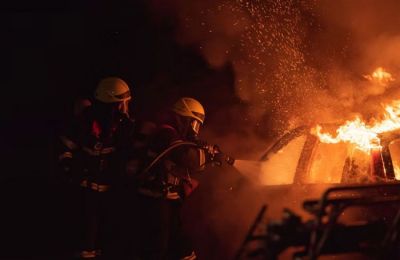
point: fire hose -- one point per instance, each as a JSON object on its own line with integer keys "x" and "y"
{"x": 212, "y": 150}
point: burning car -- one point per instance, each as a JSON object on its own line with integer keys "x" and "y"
{"x": 355, "y": 174}
{"x": 300, "y": 157}
{"x": 357, "y": 151}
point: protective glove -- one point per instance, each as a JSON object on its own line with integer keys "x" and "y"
{"x": 217, "y": 156}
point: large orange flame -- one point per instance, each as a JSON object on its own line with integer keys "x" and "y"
{"x": 364, "y": 136}
{"x": 380, "y": 76}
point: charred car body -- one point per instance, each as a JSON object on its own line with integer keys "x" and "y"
{"x": 358, "y": 214}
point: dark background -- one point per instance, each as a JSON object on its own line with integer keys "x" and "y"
{"x": 53, "y": 53}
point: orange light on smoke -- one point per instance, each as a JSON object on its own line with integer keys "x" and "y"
{"x": 364, "y": 136}
{"x": 380, "y": 76}
{"x": 397, "y": 171}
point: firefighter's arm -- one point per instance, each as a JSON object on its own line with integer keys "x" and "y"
{"x": 195, "y": 158}
{"x": 214, "y": 155}
{"x": 67, "y": 146}
{"x": 66, "y": 154}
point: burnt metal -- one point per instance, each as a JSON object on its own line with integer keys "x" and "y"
{"x": 303, "y": 164}
{"x": 378, "y": 169}
{"x": 360, "y": 195}
{"x": 391, "y": 239}
{"x": 284, "y": 140}
{"x": 250, "y": 236}
{"x": 325, "y": 235}
{"x": 386, "y": 139}
{"x": 388, "y": 163}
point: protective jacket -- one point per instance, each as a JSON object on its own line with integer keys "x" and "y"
{"x": 92, "y": 150}
{"x": 171, "y": 176}
{"x": 159, "y": 194}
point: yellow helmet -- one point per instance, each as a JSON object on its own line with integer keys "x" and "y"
{"x": 111, "y": 90}
{"x": 189, "y": 107}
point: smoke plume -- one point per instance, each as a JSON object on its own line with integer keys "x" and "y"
{"x": 297, "y": 62}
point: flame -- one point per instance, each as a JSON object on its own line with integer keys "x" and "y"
{"x": 364, "y": 136}
{"x": 396, "y": 172}
{"x": 380, "y": 76}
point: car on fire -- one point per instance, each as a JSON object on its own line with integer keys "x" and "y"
{"x": 299, "y": 157}
{"x": 338, "y": 200}
{"x": 296, "y": 170}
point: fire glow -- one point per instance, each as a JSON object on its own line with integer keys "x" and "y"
{"x": 364, "y": 136}
{"x": 380, "y": 76}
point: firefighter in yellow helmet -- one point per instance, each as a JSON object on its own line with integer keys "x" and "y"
{"x": 191, "y": 116}
{"x": 114, "y": 90}
{"x": 167, "y": 181}
{"x": 92, "y": 149}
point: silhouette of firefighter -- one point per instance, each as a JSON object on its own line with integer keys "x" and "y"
{"x": 176, "y": 154}
{"x": 91, "y": 157}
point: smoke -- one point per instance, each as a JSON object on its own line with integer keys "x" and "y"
{"x": 371, "y": 39}
{"x": 296, "y": 62}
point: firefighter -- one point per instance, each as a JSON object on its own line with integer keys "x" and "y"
{"x": 92, "y": 155}
{"x": 163, "y": 185}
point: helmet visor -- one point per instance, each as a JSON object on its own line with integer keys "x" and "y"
{"x": 195, "y": 126}
{"x": 199, "y": 115}
{"x": 124, "y": 96}
{"x": 123, "y": 107}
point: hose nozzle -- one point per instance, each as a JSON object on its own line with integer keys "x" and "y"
{"x": 229, "y": 160}
{"x": 216, "y": 155}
